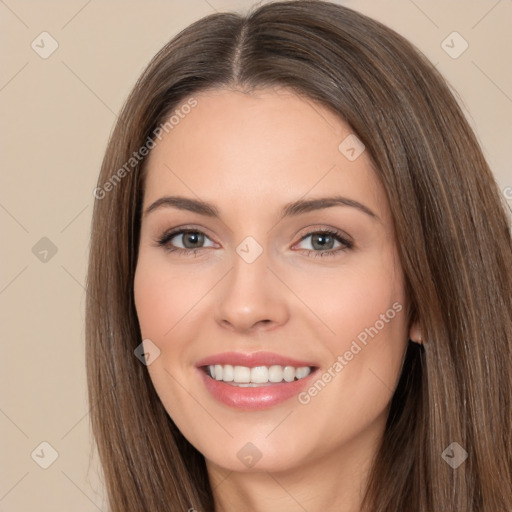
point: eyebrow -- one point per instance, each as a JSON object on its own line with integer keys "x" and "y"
{"x": 289, "y": 210}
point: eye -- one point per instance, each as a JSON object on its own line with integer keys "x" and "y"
{"x": 184, "y": 241}
{"x": 326, "y": 242}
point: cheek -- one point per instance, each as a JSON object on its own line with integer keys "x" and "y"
{"x": 163, "y": 297}
{"x": 366, "y": 306}
{"x": 164, "y": 303}
{"x": 365, "y": 310}
{"x": 355, "y": 299}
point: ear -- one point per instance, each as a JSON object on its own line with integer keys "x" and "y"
{"x": 415, "y": 333}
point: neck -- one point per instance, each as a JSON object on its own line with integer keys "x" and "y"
{"x": 333, "y": 481}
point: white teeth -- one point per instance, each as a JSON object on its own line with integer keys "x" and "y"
{"x": 246, "y": 376}
{"x": 289, "y": 373}
{"x": 275, "y": 373}
{"x": 259, "y": 374}
{"x": 241, "y": 374}
{"x": 300, "y": 373}
{"x": 228, "y": 373}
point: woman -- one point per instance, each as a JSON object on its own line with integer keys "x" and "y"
{"x": 299, "y": 287}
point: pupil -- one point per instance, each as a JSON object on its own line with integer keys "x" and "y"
{"x": 193, "y": 238}
{"x": 322, "y": 241}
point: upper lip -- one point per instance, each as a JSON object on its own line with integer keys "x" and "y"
{"x": 252, "y": 359}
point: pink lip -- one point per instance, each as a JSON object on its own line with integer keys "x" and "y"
{"x": 252, "y": 399}
{"x": 252, "y": 359}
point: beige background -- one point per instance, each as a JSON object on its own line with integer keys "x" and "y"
{"x": 56, "y": 116}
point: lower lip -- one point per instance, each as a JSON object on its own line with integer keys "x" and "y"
{"x": 253, "y": 399}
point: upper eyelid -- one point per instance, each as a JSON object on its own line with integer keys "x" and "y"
{"x": 181, "y": 231}
{"x": 309, "y": 230}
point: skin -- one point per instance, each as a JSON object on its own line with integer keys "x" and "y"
{"x": 249, "y": 154}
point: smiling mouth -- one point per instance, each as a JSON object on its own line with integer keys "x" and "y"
{"x": 256, "y": 376}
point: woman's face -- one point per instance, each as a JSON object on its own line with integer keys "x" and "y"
{"x": 256, "y": 292}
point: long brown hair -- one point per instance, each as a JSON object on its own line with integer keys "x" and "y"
{"x": 453, "y": 239}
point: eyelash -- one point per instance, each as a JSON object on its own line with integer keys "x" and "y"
{"x": 164, "y": 240}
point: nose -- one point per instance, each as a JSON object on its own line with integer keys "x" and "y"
{"x": 251, "y": 298}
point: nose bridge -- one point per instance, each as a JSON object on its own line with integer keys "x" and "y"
{"x": 250, "y": 270}
{"x": 251, "y": 294}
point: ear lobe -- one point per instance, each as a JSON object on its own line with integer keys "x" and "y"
{"x": 415, "y": 333}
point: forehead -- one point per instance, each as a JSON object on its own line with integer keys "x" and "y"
{"x": 259, "y": 148}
